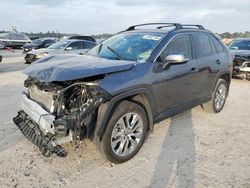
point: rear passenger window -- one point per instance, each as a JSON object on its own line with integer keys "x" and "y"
{"x": 76, "y": 45}
{"x": 203, "y": 45}
{"x": 179, "y": 45}
{"x": 217, "y": 45}
{"x": 88, "y": 45}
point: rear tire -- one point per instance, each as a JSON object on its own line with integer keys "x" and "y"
{"x": 216, "y": 104}
{"x": 125, "y": 132}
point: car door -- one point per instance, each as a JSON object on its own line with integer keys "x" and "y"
{"x": 207, "y": 60}
{"x": 175, "y": 85}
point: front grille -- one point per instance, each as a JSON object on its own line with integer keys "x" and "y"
{"x": 45, "y": 99}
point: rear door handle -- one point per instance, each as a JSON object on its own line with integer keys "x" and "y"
{"x": 218, "y": 61}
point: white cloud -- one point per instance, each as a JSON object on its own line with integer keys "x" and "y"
{"x": 110, "y": 16}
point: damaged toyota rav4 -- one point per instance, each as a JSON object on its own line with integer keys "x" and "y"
{"x": 116, "y": 92}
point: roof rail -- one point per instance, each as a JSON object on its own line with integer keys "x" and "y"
{"x": 193, "y": 25}
{"x": 163, "y": 25}
{"x": 176, "y": 25}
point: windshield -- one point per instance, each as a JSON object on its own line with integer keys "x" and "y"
{"x": 127, "y": 46}
{"x": 239, "y": 45}
{"x": 38, "y": 41}
{"x": 59, "y": 45}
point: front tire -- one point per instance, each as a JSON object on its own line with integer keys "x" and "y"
{"x": 216, "y": 104}
{"x": 125, "y": 133}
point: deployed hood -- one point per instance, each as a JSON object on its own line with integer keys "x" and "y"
{"x": 72, "y": 67}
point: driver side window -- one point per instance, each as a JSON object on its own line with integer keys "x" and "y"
{"x": 181, "y": 44}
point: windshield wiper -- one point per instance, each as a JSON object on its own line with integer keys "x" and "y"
{"x": 114, "y": 52}
{"x": 100, "y": 48}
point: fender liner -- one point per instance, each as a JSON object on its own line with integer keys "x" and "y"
{"x": 221, "y": 74}
{"x": 106, "y": 109}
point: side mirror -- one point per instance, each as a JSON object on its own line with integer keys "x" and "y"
{"x": 174, "y": 59}
{"x": 68, "y": 48}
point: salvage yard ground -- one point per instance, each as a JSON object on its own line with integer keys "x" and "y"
{"x": 193, "y": 149}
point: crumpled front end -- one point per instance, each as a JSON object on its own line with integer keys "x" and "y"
{"x": 54, "y": 113}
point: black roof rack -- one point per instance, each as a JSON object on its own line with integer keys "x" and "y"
{"x": 192, "y": 25}
{"x": 163, "y": 25}
{"x": 176, "y": 25}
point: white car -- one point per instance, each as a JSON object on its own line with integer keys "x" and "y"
{"x": 14, "y": 40}
{"x": 61, "y": 47}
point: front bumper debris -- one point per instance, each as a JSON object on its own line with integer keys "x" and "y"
{"x": 37, "y": 125}
{"x": 43, "y": 118}
{"x": 32, "y": 132}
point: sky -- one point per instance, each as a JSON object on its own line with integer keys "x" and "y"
{"x": 111, "y": 16}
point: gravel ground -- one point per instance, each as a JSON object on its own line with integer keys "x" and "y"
{"x": 193, "y": 149}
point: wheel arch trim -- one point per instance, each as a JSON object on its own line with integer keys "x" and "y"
{"x": 106, "y": 109}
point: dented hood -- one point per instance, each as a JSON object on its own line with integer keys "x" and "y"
{"x": 72, "y": 67}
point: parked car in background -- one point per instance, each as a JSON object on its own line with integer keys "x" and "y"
{"x": 118, "y": 90}
{"x": 2, "y": 45}
{"x": 62, "y": 47}
{"x": 13, "y": 40}
{"x": 81, "y": 37}
{"x": 38, "y": 43}
{"x": 240, "y": 48}
{"x": 33, "y": 37}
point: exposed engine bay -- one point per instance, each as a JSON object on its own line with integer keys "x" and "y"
{"x": 245, "y": 69}
{"x": 57, "y": 112}
{"x": 241, "y": 66}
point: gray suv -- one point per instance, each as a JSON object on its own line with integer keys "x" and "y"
{"x": 116, "y": 92}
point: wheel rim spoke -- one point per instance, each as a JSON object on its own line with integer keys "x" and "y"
{"x": 120, "y": 149}
{"x": 127, "y": 134}
{"x": 117, "y": 133}
{"x": 137, "y": 135}
{"x": 133, "y": 143}
{"x": 220, "y": 96}
{"x": 115, "y": 142}
{"x": 134, "y": 121}
{"x": 126, "y": 150}
{"x": 121, "y": 123}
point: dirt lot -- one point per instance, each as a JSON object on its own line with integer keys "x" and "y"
{"x": 193, "y": 149}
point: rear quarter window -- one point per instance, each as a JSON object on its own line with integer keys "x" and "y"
{"x": 202, "y": 45}
{"x": 218, "y": 46}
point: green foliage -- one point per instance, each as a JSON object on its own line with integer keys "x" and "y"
{"x": 224, "y": 35}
